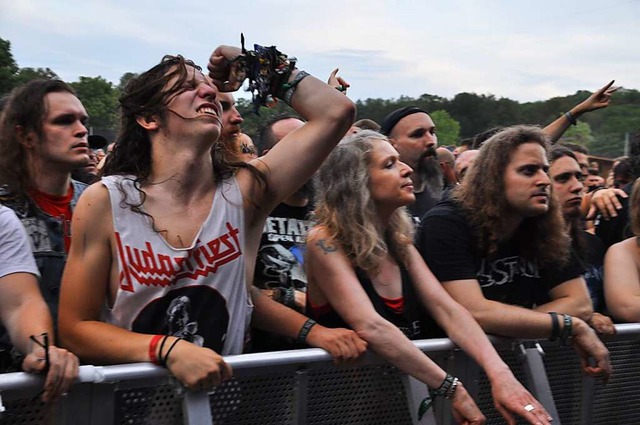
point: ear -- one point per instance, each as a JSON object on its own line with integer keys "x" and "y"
{"x": 148, "y": 123}
{"x": 26, "y": 138}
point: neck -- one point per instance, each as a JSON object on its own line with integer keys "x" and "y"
{"x": 511, "y": 222}
{"x": 48, "y": 178}
{"x": 297, "y": 200}
{"x": 186, "y": 171}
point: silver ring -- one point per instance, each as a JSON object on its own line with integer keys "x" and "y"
{"x": 529, "y": 407}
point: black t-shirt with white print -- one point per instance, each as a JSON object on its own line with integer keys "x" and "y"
{"x": 447, "y": 243}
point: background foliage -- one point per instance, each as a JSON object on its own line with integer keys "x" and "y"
{"x": 463, "y": 116}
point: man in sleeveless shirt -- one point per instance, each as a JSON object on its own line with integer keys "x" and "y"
{"x": 166, "y": 244}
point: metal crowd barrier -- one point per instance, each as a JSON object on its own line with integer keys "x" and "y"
{"x": 304, "y": 387}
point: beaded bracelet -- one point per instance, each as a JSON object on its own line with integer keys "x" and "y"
{"x": 566, "y": 332}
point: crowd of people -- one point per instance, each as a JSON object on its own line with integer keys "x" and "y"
{"x": 184, "y": 241}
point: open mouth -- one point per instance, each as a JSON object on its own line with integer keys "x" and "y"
{"x": 207, "y": 110}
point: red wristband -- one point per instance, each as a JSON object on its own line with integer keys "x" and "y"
{"x": 152, "y": 349}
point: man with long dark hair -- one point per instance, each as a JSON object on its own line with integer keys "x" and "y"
{"x": 170, "y": 221}
{"x": 500, "y": 245}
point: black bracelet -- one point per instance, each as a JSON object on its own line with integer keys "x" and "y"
{"x": 306, "y": 328}
{"x": 289, "y": 297}
{"x": 569, "y": 116}
{"x": 555, "y": 326}
{"x": 160, "y": 359}
{"x": 166, "y": 358}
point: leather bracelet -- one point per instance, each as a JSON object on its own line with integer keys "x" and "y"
{"x": 288, "y": 89}
{"x": 555, "y": 326}
{"x": 304, "y": 331}
{"x": 166, "y": 357}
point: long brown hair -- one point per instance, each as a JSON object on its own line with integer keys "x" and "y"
{"x": 482, "y": 195}
{"x": 346, "y": 210}
{"x": 25, "y": 107}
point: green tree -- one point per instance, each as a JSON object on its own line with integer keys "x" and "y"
{"x": 448, "y": 129}
{"x": 126, "y": 77}
{"x": 8, "y": 67}
{"x": 25, "y": 75}
{"x": 99, "y": 98}
{"x": 579, "y": 134}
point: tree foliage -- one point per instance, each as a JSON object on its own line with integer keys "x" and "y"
{"x": 463, "y": 116}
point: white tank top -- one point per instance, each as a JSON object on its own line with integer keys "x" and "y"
{"x": 198, "y": 293}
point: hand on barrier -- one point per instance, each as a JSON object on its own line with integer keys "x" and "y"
{"x": 464, "y": 409}
{"x": 343, "y": 344}
{"x": 510, "y": 397}
{"x": 603, "y": 325}
{"x": 60, "y": 366}
{"x": 587, "y": 345}
{"x": 198, "y": 368}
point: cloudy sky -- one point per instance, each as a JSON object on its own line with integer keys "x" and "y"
{"x": 523, "y": 50}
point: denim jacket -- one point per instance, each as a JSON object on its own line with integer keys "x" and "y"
{"x": 46, "y": 234}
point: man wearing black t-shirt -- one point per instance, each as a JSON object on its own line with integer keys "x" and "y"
{"x": 567, "y": 183}
{"x": 499, "y": 244}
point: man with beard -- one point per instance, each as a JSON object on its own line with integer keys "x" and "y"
{"x": 499, "y": 244}
{"x": 567, "y": 184}
{"x": 413, "y": 133}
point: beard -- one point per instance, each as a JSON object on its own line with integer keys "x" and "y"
{"x": 430, "y": 173}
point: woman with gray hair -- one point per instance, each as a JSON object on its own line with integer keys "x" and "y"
{"x": 364, "y": 272}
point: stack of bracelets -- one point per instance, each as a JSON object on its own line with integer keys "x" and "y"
{"x": 268, "y": 71}
{"x": 447, "y": 389}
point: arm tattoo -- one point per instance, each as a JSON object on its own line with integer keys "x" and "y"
{"x": 325, "y": 247}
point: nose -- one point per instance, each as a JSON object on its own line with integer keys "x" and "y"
{"x": 577, "y": 185}
{"x": 543, "y": 179}
{"x": 406, "y": 170}
{"x": 81, "y": 130}
{"x": 236, "y": 118}
{"x": 207, "y": 92}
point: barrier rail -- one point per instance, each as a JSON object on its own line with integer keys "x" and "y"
{"x": 304, "y": 387}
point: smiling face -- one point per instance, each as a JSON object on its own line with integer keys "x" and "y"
{"x": 566, "y": 178}
{"x": 526, "y": 182}
{"x": 62, "y": 143}
{"x": 389, "y": 181}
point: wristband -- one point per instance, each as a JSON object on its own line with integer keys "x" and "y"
{"x": 306, "y": 328}
{"x": 288, "y": 89}
{"x": 447, "y": 389}
{"x": 166, "y": 357}
{"x": 569, "y": 116}
{"x": 565, "y": 334}
{"x": 153, "y": 344}
{"x": 555, "y": 326}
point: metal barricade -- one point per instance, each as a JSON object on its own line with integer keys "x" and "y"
{"x": 304, "y": 387}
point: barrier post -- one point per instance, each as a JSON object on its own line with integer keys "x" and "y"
{"x": 416, "y": 391}
{"x": 196, "y": 409}
{"x": 531, "y": 354}
{"x": 301, "y": 391}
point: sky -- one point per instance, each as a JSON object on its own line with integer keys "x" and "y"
{"x": 522, "y": 50}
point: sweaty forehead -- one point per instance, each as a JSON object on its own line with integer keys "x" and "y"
{"x": 226, "y": 99}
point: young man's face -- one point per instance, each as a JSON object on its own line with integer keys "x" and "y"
{"x": 566, "y": 178}
{"x": 63, "y": 143}
{"x": 526, "y": 182}
{"x": 196, "y": 109}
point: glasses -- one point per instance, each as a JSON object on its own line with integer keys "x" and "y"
{"x": 42, "y": 341}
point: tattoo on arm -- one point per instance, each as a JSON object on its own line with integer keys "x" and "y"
{"x": 326, "y": 247}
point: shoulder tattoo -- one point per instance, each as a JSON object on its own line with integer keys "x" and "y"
{"x": 327, "y": 248}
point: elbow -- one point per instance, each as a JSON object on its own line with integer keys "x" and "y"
{"x": 371, "y": 330}
{"x": 584, "y": 311}
{"x": 342, "y": 114}
{"x": 625, "y": 312}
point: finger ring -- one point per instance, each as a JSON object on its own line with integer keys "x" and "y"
{"x": 529, "y": 407}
